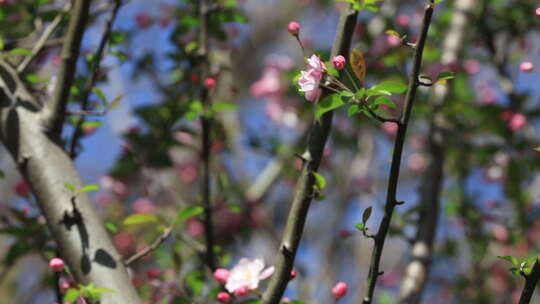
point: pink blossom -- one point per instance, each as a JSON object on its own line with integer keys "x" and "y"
{"x": 517, "y": 122}
{"x": 223, "y": 297}
{"x": 294, "y": 28}
{"x": 526, "y": 66}
{"x": 210, "y": 83}
{"x": 339, "y": 62}
{"x": 143, "y": 205}
{"x": 195, "y": 228}
{"x": 537, "y": 12}
{"x": 416, "y": 162}
{"x": 246, "y": 275}
{"x": 310, "y": 80}
{"x": 143, "y": 20}
{"x": 393, "y": 41}
{"x": 402, "y": 20}
{"x": 390, "y": 128}
{"x": 339, "y": 290}
{"x": 472, "y": 66}
{"x": 268, "y": 85}
{"x": 500, "y": 233}
{"x": 56, "y": 264}
{"x": 221, "y": 275}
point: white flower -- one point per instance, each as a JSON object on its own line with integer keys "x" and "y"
{"x": 247, "y": 274}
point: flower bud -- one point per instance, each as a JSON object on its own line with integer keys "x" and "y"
{"x": 526, "y": 66}
{"x": 339, "y": 62}
{"x": 56, "y": 264}
{"x": 294, "y": 28}
{"x": 210, "y": 83}
{"x": 221, "y": 275}
{"x": 223, "y": 297}
{"x": 339, "y": 290}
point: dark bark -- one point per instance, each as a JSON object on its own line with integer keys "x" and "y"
{"x": 305, "y": 186}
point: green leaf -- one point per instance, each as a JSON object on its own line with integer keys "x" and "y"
{"x": 537, "y": 149}
{"x": 384, "y": 100}
{"x": 510, "y": 259}
{"x": 138, "y": 219}
{"x": 354, "y": 109}
{"x": 90, "y": 188}
{"x": 390, "y": 86}
{"x": 329, "y": 103}
{"x": 116, "y": 101}
{"x": 99, "y": 94}
{"x": 393, "y": 33}
{"x": 366, "y": 215}
{"x": 71, "y": 295}
{"x": 117, "y": 37}
{"x": 2, "y": 43}
{"x": 224, "y": 106}
{"x": 332, "y": 71}
{"x": 360, "y": 226}
{"x": 188, "y": 212}
{"x": 320, "y": 180}
{"x": 71, "y": 187}
{"x": 21, "y": 51}
{"x": 347, "y": 94}
{"x": 111, "y": 227}
{"x": 444, "y": 77}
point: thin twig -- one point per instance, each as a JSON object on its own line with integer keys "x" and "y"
{"x": 54, "y": 113}
{"x": 139, "y": 255}
{"x": 531, "y": 280}
{"x": 42, "y": 41}
{"x": 391, "y": 200}
{"x": 91, "y": 81}
{"x": 320, "y": 130}
{"x": 206, "y": 130}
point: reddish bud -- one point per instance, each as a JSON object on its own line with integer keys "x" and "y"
{"x": 56, "y": 264}
{"x": 242, "y": 291}
{"x": 22, "y": 189}
{"x": 221, "y": 275}
{"x": 153, "y": 273}
{"x": 223, "y": 297}
{"x": 340, "y": 290}
{"x": 294, "y": 273}
{"x": 339, "y": 62}
{"x": 294, "y": 28}
{"x": 210, "y": 83}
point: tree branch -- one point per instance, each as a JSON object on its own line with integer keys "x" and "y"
{"x": 206, "y": 127}
{"x": 54, "y": 113}
{"x": 531, "y": 280}
{"x": 94, "y": 73}
{"x": 305, "y": 186}
{"x": 391, "y": 200}
{"x": 42, "y": 41}
{"x": 139, "y": 255}
{"x": 417, "y": 271}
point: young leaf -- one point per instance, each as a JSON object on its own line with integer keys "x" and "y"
{"x": 354, "y": 109}
{"x": 71, "y": 295}
{"x": 71, "y": 187}
{"x": 390, "y": 86}
{"x": 366, "y": 215}
{"x": 138, "y": 219}
{"x": 444, "y": 77}
{"x": 358, "y": 64}
{"x": 329, "y": 103}
{"x": 320, "y": 180}
{"x": 188, "y": 212}
{"x": 89, "y": 188}
{"x": 510, "y": 259}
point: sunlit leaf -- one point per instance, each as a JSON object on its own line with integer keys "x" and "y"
{"x": 138, "y": 219}
{"x": 358, "y": 65}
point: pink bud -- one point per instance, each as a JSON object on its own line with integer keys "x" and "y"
{"x": 526, "y": 66}
{"x": 339, "y": 62}
{"x": 537, "y": 12}
{"x": 402, "y": 20}
{"x": 285, "y": 300}
{"x": 223, "y": 297}
{"x": 294, "y": 28}
{"x": 210, "y": 83}
{"x": 294, "y": 273}
{"x": 339, "y": 290}
{"x": 221, "y": 275}
{"x": 517, "y": 122}
{"x": 56, "y": 264}
{"x": 242, "y": 291}
{"x": 65, "y": 283}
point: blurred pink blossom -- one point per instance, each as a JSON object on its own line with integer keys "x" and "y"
{"x": 143, "y": 205}
{"x": 247, "y": 274}
{"x": 143, "y": 21}
{"x": 269, "y": 84}
{"x": 402, "y": 20}
{"x": 517, "y": 122}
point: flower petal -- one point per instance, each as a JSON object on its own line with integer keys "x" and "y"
{"x": 266, "y": 273}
